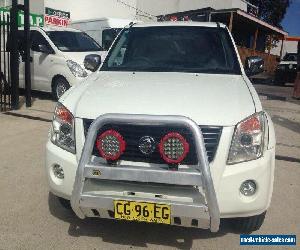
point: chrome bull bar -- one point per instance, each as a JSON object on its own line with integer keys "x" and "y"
{"x": 200, "y": 176}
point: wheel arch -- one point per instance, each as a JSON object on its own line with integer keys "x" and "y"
{"x": 54, "y": 78}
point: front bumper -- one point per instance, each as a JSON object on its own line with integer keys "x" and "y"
{"x": 99, "y": 194}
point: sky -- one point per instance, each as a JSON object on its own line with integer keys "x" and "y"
{"x": 291, "y": 21}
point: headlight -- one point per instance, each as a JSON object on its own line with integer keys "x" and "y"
{"x": 248, "y": 139}
{"x": 280, "y": 66}
{"x": 76, "y": 69}
{"x": 62, "y": 131}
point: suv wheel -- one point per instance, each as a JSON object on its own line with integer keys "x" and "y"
{"x": 60, "y": 86}
{"x": 248, "y": 224}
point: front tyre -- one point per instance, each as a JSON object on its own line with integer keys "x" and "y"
{"x": 60, "y": 86}
{"x": 248, "y": 224}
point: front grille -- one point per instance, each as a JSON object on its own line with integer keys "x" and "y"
{"x": 133, "y": 133}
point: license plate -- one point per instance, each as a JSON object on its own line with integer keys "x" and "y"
{"x": 142, "y": 211}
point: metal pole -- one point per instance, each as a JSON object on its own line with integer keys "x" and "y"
{"x": 255, "y": 40}
{"x": 27, "y": 53}
{"x": 281, "y": 48}
{"x": 231, "y": 22}
{"x": 296, "y": 93}
{"x": 14, "y": 54}
{"x": 298, "y": 58}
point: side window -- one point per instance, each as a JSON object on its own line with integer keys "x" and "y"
{"x": 38, "y": 39}
{"x": 118, "y": 55}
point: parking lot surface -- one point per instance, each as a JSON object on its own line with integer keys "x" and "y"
{"x": 31, "y": 218}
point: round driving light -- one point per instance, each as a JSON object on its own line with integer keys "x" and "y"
{"x": 58, "y": 171}
{"x": 110, "y": 145}
{"x": 248, "y": 188}
{"x": 173, "y": 148}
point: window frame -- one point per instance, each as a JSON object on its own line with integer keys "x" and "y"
{"x": 237, "y": 71}
{"x": 32, "y": 40}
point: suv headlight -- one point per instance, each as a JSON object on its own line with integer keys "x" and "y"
{"x": 248, "y": 139}
{"x": 63, "y": 130}
{"x": 76, "y": 69}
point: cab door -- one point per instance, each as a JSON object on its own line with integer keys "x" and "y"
{"x": 41, "y": 61}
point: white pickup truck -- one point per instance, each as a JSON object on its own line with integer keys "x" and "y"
{"x": 170, "y": 130}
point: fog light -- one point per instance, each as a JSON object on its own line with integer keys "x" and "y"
{"x": 248, "y": 188}
{"x": 173, "y": 148}
{"x": 111, "y": 145}
{"x": 58, "y": 171}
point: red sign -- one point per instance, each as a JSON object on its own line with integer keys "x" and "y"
{"x": 56, "y": 21}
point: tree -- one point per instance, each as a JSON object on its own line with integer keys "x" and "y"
{"x": 271, "y": 11}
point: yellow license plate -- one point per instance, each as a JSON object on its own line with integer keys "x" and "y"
{"x": 142, "y": 211}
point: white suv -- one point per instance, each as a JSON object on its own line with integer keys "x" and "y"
{"x": 170, "y": 130}
{"x": 57, "y": 58}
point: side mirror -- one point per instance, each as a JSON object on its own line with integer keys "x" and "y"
{"x": 44, "y": 49}
{"x": 254, "y": 65}
{"x": 92, "y": 62}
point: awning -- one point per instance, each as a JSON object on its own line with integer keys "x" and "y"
{"x": 262, "y": 23}
{"x": 247, "y": 18}
{"x": 293, "y": 38}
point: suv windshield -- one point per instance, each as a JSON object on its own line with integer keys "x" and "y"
{"x": 108, "y": 36}
{"x": 173, "y": 49}
{"x": 73, "y": 41}
{"x": 290, "y": 57}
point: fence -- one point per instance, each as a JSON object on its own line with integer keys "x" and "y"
{"x": 10, "y": 55}
{"x": 5, "y": 76}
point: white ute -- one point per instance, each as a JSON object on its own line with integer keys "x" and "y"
{"x": 170, "y": 130}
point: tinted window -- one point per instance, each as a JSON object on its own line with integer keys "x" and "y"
{"x": 38, "y": 39}
{"x": 73, "y": 41}
{"x": 20, "y": 36}
{"x": 290, "y": 57}
{"x": 174, "y": 49}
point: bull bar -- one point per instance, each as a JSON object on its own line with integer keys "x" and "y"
{"x": 199, "y": 175}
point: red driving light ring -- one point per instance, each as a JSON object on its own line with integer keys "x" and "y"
{"x": 111, "y": 135}
{"x": 185, "y": 145}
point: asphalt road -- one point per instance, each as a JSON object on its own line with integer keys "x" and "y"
{"x": 31, "y": 218}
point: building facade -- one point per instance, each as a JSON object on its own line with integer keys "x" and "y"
{"x": 158, "y": 7}
{"x": 127, "y": 9}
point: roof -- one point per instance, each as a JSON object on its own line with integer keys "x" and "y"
{"x": 101, "y": 19}
{"x": 293, "y": 38}
{"x": 263, "y": 23}
{"x": 179, "y": 23}
{"x": 242, "y": 13}
{"x": 237, "y": 11}
{"x": 54, "y": 28}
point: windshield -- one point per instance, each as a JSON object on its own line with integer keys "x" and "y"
{"x": 290, "y": 57}
{"x": 73, "y": 41}
{"x": 173, "y": 49}
{"x": 108, "y": 36}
